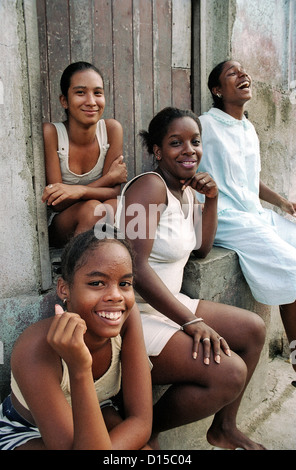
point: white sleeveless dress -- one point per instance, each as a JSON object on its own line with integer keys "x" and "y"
{"x": 175, "y": 239}
{"x": 264, "y": 241}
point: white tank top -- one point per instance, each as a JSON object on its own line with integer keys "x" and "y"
{"x": 174, "y": 240}
{"x": 106, "y": 386}
{"x": 68, "y": 176}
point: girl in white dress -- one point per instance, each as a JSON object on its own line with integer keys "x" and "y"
{"x": 264, "y": 240}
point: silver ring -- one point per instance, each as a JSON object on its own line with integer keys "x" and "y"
{"x": 206, "y": 339}
{"x": 204, "y": 181}
{"x": 50, "y": 186}
{"x": 220, "y": 337}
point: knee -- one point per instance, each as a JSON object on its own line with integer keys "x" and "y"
{"x": 88, "y": 208}
{"x": 88, "y": 213}
{"x": 104, "y": 211}
{"x": 231, "y": 379}
{"x": 94, "y": 211}
{"x": 93, "y": 207}
{"x": 237, "y": 375}
{"x": 256, "y": 331}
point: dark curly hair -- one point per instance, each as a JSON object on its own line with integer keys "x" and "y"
{"x": 159, "y": 125}
{"x": 76, "y": 252}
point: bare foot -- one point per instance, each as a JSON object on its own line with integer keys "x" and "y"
{"x": 231, "y": 439}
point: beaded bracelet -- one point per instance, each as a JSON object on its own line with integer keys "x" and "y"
{"x": 190, "y": 322}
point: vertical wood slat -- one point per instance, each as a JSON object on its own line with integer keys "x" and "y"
{"x": 59, "y": 56}
{"x": 81, "y": 30}
{"x": 42, "y": 35}
{"x": 181, "y": 33}
{"x": 124, "y": 76}
{"x": 162, "y": 50}
{"x": 181, "y": 53}
{"x": 195, "y": 58}
{"x": 103, "y": 50}
{"x": 181, "y": 88}
{"x": 33, "y": 54}
{"x": 143, "y": 83}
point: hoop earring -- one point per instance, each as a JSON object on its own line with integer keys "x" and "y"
{"x": 65, "y": 303}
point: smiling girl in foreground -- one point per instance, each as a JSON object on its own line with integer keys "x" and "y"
{"x": 195, "y": 358}
{"x": 66, "y": 370}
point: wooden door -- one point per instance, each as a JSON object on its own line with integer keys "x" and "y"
{"x": 142, "y": 47}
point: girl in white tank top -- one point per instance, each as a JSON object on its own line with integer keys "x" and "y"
{"x": 68, "y": 368}
{"x": 188, "y": 340}
{"x": 83, "y": 157}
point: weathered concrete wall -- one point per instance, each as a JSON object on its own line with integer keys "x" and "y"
{"x": 20, "y": 275}
{"x": 262, "y": 36}
{"x": 264, "y": 40}
{"x": 19, "y": 263}
{"x": 216, "y": 23}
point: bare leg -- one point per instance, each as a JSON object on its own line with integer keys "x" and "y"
{"x": 33, "y": 444}
{"x": 245, "y": 333}
{"x": 288, "y": 314}
{"x": 198, "y": 390}
{"x": 79, "y": 218}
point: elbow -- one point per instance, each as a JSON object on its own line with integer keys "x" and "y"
{"x": 202, "y": 252}
{"x": 117, "y": 189}
{"x": 145, "y": 431}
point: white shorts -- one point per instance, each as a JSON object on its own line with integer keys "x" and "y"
{"x": 159, "y": 329}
